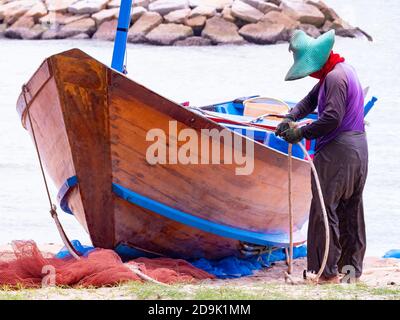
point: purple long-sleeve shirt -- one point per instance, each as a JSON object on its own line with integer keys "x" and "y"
{"x": 340, "y": 104}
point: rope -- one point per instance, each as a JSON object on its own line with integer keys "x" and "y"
{"x": 290, "y": 265}
{"x": 320, "y": 195}
{"x": 53, "y": 208}
{"x": 140, "y": 274}
{"x": 324, "y": 213}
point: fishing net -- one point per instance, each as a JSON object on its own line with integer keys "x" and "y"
{"x": 26, "y": 266}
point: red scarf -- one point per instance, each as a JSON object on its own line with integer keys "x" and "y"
{"x": 333, "y": 60}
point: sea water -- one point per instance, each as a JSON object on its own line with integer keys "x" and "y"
{"x": 204, "y": 75}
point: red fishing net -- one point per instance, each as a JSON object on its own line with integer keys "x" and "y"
{"x": 27, "y": 266}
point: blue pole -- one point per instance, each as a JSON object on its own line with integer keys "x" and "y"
{"x": 124, "y": 21}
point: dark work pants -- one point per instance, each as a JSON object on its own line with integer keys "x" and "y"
{"x": 342, "y": 167}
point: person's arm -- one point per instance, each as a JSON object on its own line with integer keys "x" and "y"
{"x": 305, "y": 106}
{"x": 335, "y": 108}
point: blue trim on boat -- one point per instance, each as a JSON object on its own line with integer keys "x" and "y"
{"x": 200, "y": 223}
{"x": 124, "y": 21}
{"x": 64, "y": 191}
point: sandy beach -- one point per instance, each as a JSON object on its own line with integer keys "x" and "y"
{"x": 381, "y": 280}
{"x": 203, "y": 76}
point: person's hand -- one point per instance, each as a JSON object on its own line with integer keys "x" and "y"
{"x": 293, "y": 135}
{"x": 283, "y": 126}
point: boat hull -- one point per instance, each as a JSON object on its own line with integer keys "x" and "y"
{"x": 93, "y": 123}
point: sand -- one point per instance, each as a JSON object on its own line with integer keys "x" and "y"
{"x": 381, "y": 279}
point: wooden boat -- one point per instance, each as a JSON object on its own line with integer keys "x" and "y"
{"x": 91, "y": 122}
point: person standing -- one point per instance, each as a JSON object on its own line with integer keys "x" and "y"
{"x": 341, "y": 155}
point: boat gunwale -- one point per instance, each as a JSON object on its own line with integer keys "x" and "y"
{"x": 213, "y": 124}
{"x": 22, "y": 106}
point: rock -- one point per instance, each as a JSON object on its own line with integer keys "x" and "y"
{"x": 227, "y": 14}
{"x": 35, "y": 32}
{"x": 303, "y": 12}
{"x": 12, "y": 11}
{"x": 61, "y": 18}
{"x": 281, "y": 18}
{"x": 167, "y": 34}
{"x": 275, "y": 2}
{"x": 135, "y": 3}
{"x": 59, "y": 5}
{"x": 164, "y": 7}
{"x": 137, "y": 12}
{"x": 193, "y": 41}
{"x": 87, "y": 25}
{"x": 263, "y": 32}
{"x": 336, "y": 25}
{"x": 147, "y": 22}
{"x": 3, "y": 28}
{"x": 19, "y": 28}
{"x": 196, "y": 23}
{"x": 206, "y": 11}
{"x": 217, "y": 4}
{"x": 87, "y": 6}
{"x": 218, "y": 30}
{"x": 246, "y": 12}
{"x": 104, "y": 15}
{"x": 340, "y": 24}
{"x": 37, "y": 11}
{"x": 50, "y": 34}
{"x": 115, "y": 4}
{"x": 327, "y": 26}
{"x": 177, "y": 16}
{"x": 350, "y": 33}
{"x": 141, "y": 3}
{"x": 80, "y": 36}
{"x": 25, "y": 28}
{"x": 328, "y": 12}
{"x": 262, "y": 6}
{"x": 106, "y": 30}
{"x": 310, "y": 29}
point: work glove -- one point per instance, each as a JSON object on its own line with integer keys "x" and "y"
{"x": 293, "y": 135}
{"x": 283, "y": 126}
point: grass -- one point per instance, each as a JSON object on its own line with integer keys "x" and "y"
{"x": 151, "y": 291}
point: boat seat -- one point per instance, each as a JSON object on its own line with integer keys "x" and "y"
{"x": 260, "y": 106}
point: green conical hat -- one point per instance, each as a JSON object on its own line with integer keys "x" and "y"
{"x": 309, "y": 54}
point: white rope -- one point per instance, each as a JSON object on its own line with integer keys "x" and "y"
{"x": 53, "y": 210}
{"x": 324, "y": 213}
{"x": 290, "y": 264}
{"x": 135, "y": 269}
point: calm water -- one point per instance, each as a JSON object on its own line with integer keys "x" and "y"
{"x": 206, "y": 75}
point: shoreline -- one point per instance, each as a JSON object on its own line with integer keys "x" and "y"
{"x": 173, "y": 22}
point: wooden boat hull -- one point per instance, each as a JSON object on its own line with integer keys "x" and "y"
{"x": 91, "y": 124}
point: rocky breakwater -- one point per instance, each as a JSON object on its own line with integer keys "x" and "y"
{"x": 172, "y": 22}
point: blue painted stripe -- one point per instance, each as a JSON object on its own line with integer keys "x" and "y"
{"x": 203, "y": 224}
{"x": 64, "y": 192}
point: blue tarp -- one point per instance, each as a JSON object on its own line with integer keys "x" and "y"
{"x": 230, "y": 267}
{"x": 81, "y": 249}
{"x": 233, "y": 267}
{"x": 395, "y": 253}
